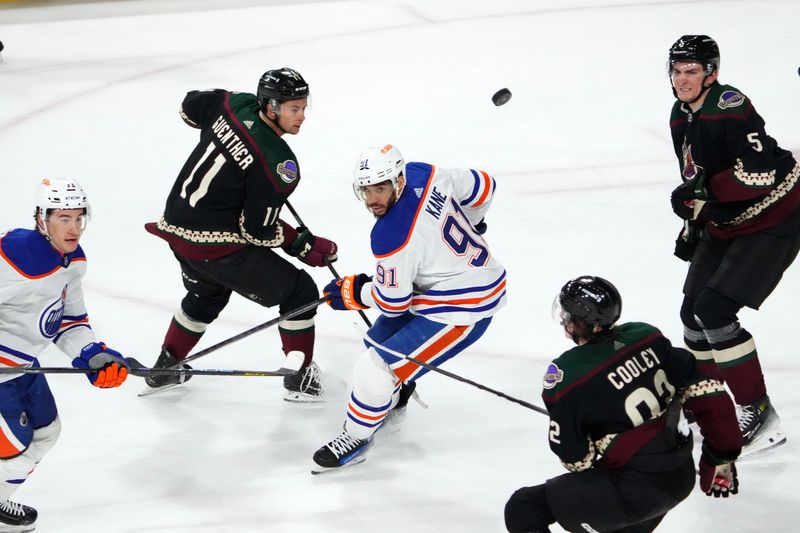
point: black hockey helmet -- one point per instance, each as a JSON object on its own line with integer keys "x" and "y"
{"x": 700, "y": 48}
{"x": 591, "y": 300}
{"x": 280, "y": 85}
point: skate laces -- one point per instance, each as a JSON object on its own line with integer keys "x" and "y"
{"x": 311, "y": 378}
{"x": 13, "y": 508}
{"x": 343, "y": 444}
{"x": 747, "y": 416}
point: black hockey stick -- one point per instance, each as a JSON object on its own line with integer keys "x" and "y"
{"x": 138, "y": 369}
{"x": 277, "y": 320}
{"x": 330, "y": 266}
{"x": 458, "y": 378}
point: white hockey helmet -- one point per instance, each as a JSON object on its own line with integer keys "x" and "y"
{"x": 376, "y": 165}
{"x": 59, "y": 193}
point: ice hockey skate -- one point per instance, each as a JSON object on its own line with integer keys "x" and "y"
{"x": 310, "y": 385}
{"x": 17, "y": 517}
{"x": 760, "y": 427}
{"x": 344, "y": 450}
{"x": 164, "y": 382}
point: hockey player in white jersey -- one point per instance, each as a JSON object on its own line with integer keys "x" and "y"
{"x": 435, "y": 283}
{"x": 41, "y": 302}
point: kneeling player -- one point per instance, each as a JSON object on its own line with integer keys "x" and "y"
{"x": 614, "y": 404}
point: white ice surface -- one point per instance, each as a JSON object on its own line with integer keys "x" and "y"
{"x": 584, "y": 166}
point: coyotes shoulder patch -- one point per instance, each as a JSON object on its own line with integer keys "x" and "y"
{"x": 730, "y": 99}
{"x": 288, "y": 171}
{"x": 552, "y": 376}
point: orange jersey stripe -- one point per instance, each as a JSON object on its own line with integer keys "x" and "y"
{"x": 68, "y": 324}
{"x": 487, "y": 184}
{"x": 9, "y": 362}
{"x": 423, "y": 301}
{"x": 358, "y": 413}
{"x": 435, "y": 349}
{"x": 416, "y": 216}
{"x": 7, "y": 449}
{"x": 384, "y": 305}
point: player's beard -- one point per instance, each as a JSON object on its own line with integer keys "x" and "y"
{"x": 389, "y": 204}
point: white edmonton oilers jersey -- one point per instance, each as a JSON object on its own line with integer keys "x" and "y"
{"x": 40, "y": 299}
{"x": 430, "y": 259}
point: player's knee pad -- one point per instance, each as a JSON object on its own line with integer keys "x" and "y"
{"x": 44, "y": 439}
{"x": 373, "y": 380}
{"x": 528, "y": 510}
{"x": 713, "y": 310}
{"x": 687, "y": 315}
{"x": 305, "y": 291}
{"x": 204, "y": 308}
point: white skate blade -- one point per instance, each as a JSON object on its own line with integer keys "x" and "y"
{"x": 765, "y": 442}
{"x": 317, "y": 469}
{"x": 149, "y": 391}
{"x": 301, "y": 397}
{"x": 6, "y": 528}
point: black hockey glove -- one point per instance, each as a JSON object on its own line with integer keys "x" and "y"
{"x": 687, "y": 241}
{"x": 684, "y": 196}
{"x": 480, "y": 227}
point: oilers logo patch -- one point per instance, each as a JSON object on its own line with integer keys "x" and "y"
{"x": 552, "y": 376}
{"x": 288, "y": 171}
{"x": 730, "y": 99}
{"x": 50, "y": 318}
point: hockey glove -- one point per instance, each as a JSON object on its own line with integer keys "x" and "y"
{"x": 720, "y": 480}
{"x": 683, "y": 199}
{"x": 111, "y": 368}
{"x": 311, "y": 250}
{"x": 345, "y": 293}
{"x": 687, "y": 241}
{"x": 481, "y": 227}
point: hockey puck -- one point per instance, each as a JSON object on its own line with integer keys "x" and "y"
{"x": 501, "y": 97}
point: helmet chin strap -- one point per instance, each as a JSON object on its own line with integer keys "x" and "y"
{"x": 702, "y": 92}
{"x": 275, "y": 122}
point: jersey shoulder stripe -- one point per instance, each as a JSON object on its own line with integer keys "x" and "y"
{"x": 483, "y": 189}
{"x": 31, "y": 255}
{"x": 582, "y": 363}
{"x": 392, "y": 231}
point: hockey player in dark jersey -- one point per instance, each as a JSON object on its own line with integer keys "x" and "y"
{"x": 614, "y": 402}
{"x": 740, "y": 203}
{"x": 222, "y": 221}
